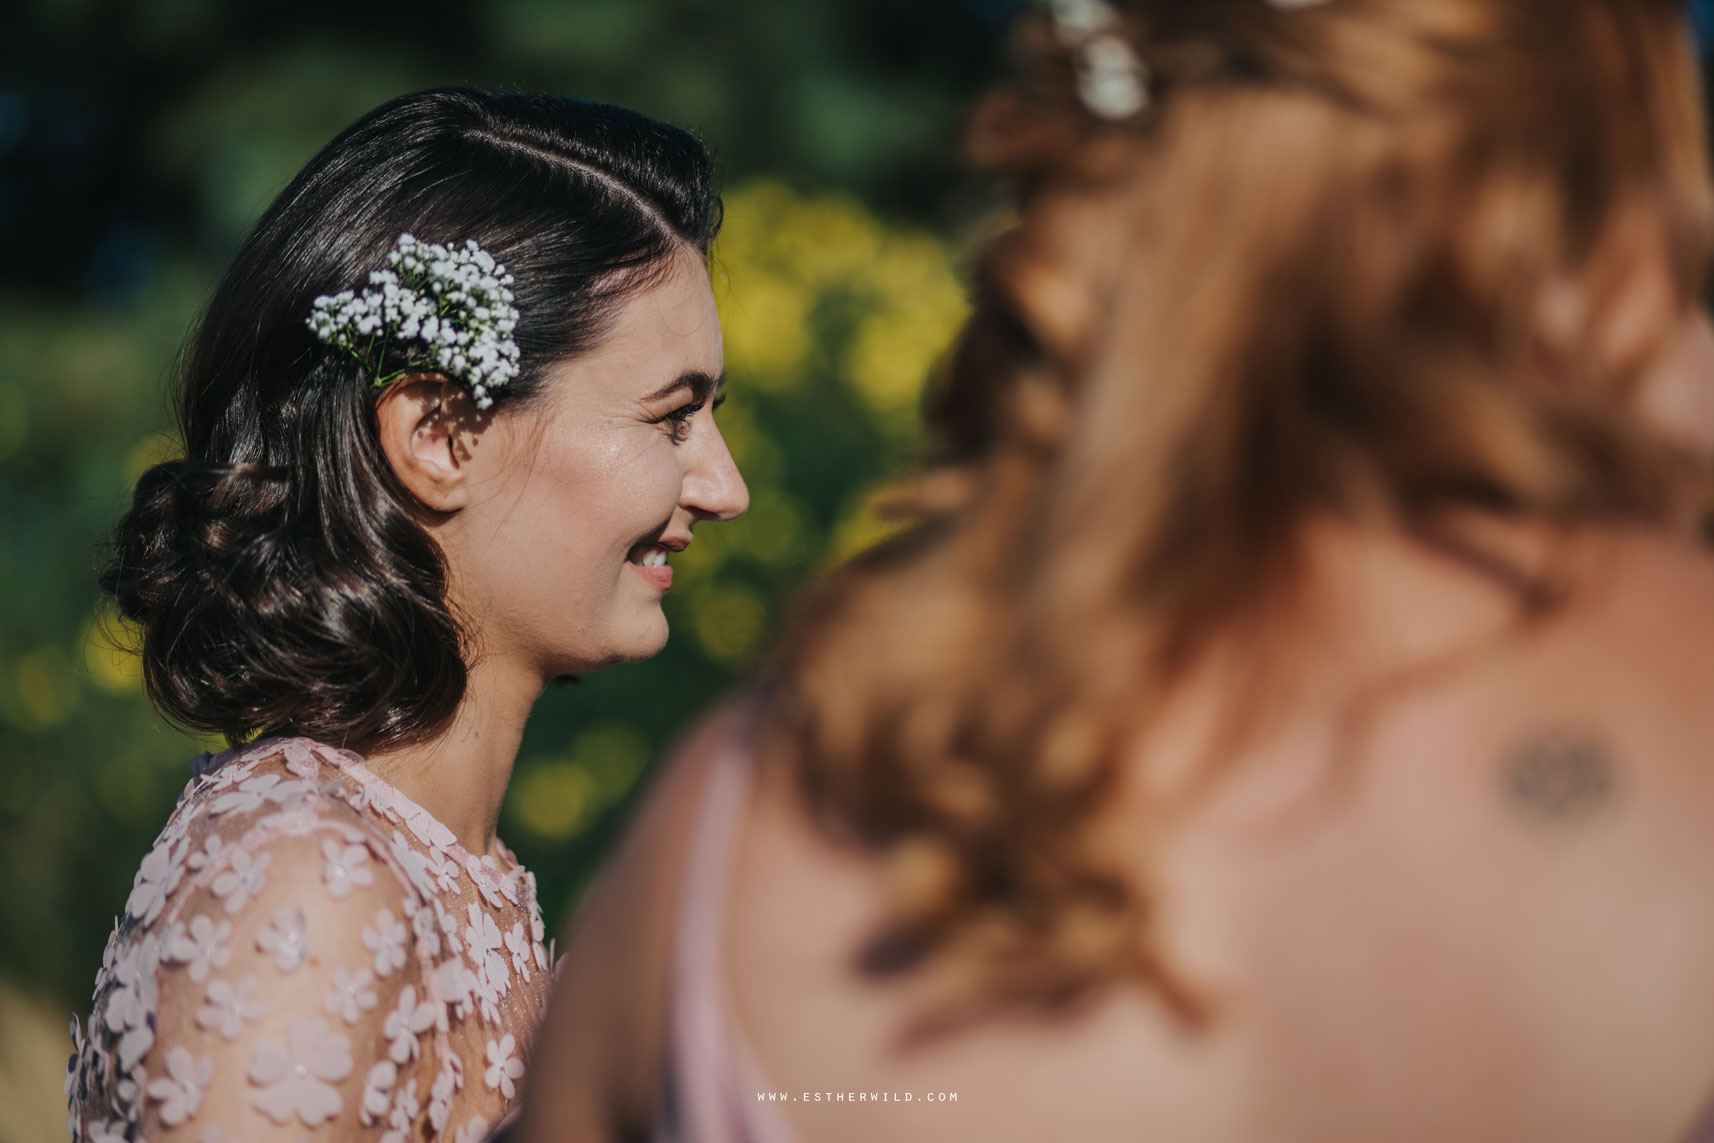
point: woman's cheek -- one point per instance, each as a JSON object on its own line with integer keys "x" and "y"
{"x": 663, "y": 483}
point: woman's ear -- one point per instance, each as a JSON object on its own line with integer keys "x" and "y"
{"x": 424, "y": 422}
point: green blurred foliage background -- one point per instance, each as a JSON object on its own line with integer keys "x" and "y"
{"x": 137, "y": 142}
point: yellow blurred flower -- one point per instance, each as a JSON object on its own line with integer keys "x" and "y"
{"x": 557, "y": 798}
{"x": 729, "y": 621}
{"x": 110, "y": 646}
{"x": 41, "y": 690}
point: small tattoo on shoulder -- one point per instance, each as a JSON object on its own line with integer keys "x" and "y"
{"x": 1560, "y": 777}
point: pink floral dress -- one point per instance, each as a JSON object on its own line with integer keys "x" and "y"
{"x": 306, "y": 953}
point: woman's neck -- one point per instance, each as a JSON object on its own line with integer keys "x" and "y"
{"x": 460, "y": 775}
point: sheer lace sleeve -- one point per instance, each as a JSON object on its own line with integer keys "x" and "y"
{"x": 307, "y": 954}
{"x": 292, "y": 999}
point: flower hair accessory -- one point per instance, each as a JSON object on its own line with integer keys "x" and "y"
{"x": 1112, "y": 80}
{"x": 433, "y": 309}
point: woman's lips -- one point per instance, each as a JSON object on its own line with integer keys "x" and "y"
{"x": 650, "y": 562}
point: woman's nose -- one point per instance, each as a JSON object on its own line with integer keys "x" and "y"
{"x": 713, "y": 487}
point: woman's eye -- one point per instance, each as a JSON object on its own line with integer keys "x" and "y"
{"x": 678, "y": 421}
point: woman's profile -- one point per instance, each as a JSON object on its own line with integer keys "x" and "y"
{"x": 1286, "y": 718}
{"x": 445, "y": 418}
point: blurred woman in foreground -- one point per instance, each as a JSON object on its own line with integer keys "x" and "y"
{"x": 1289, "y": 718}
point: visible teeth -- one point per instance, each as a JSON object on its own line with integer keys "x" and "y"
{"x": 654, "y": 557}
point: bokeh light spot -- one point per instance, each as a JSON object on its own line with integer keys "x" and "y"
{"x": 775, "y": 531}
{"x": 553, "y": 801}
{"x": 110, "y": 645}
{"x": 557, "y": 798}
{"x": 43, "y": 691}
{"x": 729, "y": 622}
{"x": 148, "y": 452}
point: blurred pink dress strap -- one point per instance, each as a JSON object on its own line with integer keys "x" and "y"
{"x": 712, "y": 1077}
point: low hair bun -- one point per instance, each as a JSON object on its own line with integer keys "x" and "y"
{"x": 260, "y": 613}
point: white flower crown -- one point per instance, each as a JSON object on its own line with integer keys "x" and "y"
{"x": 1112, "y": 82}
{"x": 434, "y": 310}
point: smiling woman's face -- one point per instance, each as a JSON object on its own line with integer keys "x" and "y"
{"x": 576, "y": 502}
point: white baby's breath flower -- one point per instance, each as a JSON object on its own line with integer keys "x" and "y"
{"x": 434, "y": 309}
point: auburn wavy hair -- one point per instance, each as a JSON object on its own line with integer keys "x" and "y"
{"x": 1366, "y": 259}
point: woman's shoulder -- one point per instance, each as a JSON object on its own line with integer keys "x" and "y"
{"x": 278, "y": 964}
{"x": 1506, "y": 820}
{"x": 1618, "y": 635}
{"x": 606, "y": 1032}
{"x": 1622, "y": 605}
{"x": 274, "y": 822}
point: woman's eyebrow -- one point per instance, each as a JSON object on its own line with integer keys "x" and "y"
{"x": 701, "y": 384}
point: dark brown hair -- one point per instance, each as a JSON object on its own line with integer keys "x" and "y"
{"x": 1360, "y": 259}
{"x": 279, "y": 572}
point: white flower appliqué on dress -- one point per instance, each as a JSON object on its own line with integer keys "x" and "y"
{"x": 201, "y": 948}
{"x": 180, "y": 1091}
{"x": 344, "y": 866}
{"x": 287, "y": 939}
{"x": 386, "y": 939}
{"x": 305, "y": 953}
{"x": 299, "y": 1080}
{"x": 504, "y": 1068}
{"x": 228, "y": 1008}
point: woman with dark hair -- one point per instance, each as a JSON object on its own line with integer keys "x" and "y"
{"x": 1288, "y": 718}
{"x": 445, "y": 418}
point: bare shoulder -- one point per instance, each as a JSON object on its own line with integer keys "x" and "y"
{"x": 1631, "y": 647}
{"x": 596, "y": 1072}
{"x": 1624, "y": 632}
{"x": 1608, "y": 705}
{"x": 1510, "y": 869}
{"x": 1662, "y": 585}
{"x": 1597, "y": 699}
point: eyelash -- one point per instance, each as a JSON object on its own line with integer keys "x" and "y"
{"x": 678, "y": 421}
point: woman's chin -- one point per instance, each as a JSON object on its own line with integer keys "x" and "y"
{"x": 630, "y": 643}
{"x": 648, "y": 648}
{"x": 644, "y": 641}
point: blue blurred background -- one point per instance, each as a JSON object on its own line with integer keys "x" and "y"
{"x": 139, "y": 139}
